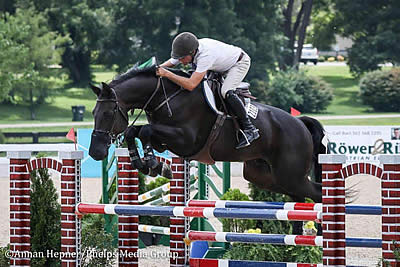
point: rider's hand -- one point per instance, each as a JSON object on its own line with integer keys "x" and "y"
{"x": 160, "y": 71}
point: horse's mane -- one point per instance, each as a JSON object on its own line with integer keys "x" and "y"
{"x": 132, "y": 72}
{"x": 135, "y": 70}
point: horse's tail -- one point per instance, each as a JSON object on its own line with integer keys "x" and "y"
{"x": 317, "y": 132}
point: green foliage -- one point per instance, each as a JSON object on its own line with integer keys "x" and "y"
{"x": 281, "y": 91}
{"x": 4, "y": 261}
{"x": 2, "y": 138}
{"x": 381, "y": 89}
{"x": 45, "y": 217}
{"x": 269, "y": 226}
{"x": 275, "y": 253}
{"x": 322, "y": 31}
{"x": 143, "y": 187}
{"x": 85, "y": 23}
{"x": 315, "y": 92}
{"x": 94, "y": 237}
{"x": 236, "y": 225}
{"x": 296, "y": 89}
{"x": 252, "y": 25}
{"x": 265, "y": 252}
{"x": 31, "y": 48}
{"x": 159, "y": 181}
{"x": 373, "y": 27}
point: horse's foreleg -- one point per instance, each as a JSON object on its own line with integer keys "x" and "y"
{"x": 145, "y": 134}
{"x": 130, "y": 134}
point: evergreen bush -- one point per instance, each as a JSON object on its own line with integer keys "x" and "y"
{"x": 94, "y": 238}
{"x": 380, "y": 89}
{"x": 296, "y": 89}
{"x": 45, "y": 218}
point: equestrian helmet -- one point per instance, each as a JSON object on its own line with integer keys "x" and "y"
{"x": 183, "y": 45}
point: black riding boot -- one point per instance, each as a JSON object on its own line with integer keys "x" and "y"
{"x": 249, "y": 133}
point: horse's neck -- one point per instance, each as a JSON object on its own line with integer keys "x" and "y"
{"x": 134, "y": 92}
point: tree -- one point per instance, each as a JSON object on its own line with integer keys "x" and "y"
{"x": 45, "y": 217}
{"x": 138, "y": 31}
{"x": 84, "y": 22}
{"x": 31, "y": 49}
{"x": 322, "y": 29}
{"x": 374, "y": 28}
{"x": 295, "y": 32}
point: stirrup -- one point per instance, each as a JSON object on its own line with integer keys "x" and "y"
{"x": 239, "y": 140}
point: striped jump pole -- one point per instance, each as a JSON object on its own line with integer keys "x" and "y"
{"x": 258, "y": 214}
{"x": 241, "y": 263}
{"x": 154, "y": 229}
{"x": 155, "y": 192}
{"x": 350, "y": 209}
{"x": 255, "y": 205}
{"x": 274, "y": 239}
{"x": 277, "y": 239}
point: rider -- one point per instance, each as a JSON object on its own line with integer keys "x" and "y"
{"x": 208, "y": 54}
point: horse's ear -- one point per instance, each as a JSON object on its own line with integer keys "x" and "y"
{"x": 106, "y": 88}
{"x": 95, "y": 89}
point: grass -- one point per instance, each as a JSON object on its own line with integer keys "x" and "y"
{"x": 366, "y": 122}
{"x": 346, "y": 99}
{"x": 58, "y": 109}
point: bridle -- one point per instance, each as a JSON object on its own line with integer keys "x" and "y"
{"x": 117, "y": 109}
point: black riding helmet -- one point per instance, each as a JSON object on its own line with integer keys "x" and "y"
{"x": 183, "y": 45}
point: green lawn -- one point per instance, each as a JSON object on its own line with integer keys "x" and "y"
{"x": 346, "y": 99}
{"x": 58, "y": 109}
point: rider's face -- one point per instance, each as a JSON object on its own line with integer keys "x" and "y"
{"x": 186, "y": 60}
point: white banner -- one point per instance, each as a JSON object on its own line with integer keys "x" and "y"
{"x": 363, "y": 143}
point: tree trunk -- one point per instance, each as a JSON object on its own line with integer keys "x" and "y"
{"x": 31, "y": 105}
{"x": 302, "y": 31}
{"x": 292, "y": 58}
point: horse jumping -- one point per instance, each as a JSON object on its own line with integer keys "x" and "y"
{"x": 181, "y": 121}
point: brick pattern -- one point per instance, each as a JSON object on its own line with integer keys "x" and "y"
{"x": 70, "y": 224}
{"x": 390, "y": 210}
{"x": 179, "y": 226}
{"x": 333, "y": 217}
{"x": 20, "y": 168}
{"x": 334, "y": 176}
{"x": 128, "y": 192}
{"x": 20, "y": 211}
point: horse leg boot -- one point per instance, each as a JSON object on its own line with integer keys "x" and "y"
{"x": 249, "y": 133}
{"x": 136, "y": 161}
{"x": 155, "y": 167}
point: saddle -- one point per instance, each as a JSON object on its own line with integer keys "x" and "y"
{"x": 214, "y": 81}
{"x": 212, "y": 91}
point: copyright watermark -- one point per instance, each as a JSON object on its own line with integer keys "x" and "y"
{"x": 90, "y": 254}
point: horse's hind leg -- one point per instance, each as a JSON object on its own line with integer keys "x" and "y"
{"x": 259, "y": 173}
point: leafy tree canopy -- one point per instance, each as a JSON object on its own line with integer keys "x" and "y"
{"x": 374, "y": 28}
{"x": 28, "y": 51}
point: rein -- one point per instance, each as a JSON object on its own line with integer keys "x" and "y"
{"x": 166, "y": 101}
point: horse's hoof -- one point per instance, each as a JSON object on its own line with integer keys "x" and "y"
{"x": 166, "y": 171}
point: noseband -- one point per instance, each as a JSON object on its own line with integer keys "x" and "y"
{"x": 117, "y": 109}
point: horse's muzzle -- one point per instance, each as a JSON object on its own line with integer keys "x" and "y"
{"x": 99, "y": 145}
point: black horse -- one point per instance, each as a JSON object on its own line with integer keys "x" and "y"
{"x": 181, "y": 121}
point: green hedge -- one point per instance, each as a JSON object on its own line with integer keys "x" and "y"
{"x": 380, "y": 89}
{"x": 296, "y": 89}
